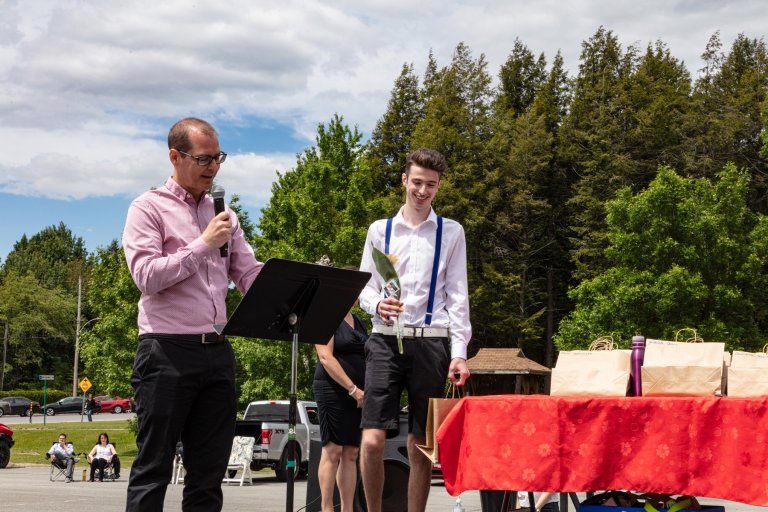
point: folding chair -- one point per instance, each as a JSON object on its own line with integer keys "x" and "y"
{"x": 240, "y": 460}
{"x": 112, "y": 470}
{"x": 59, "y": 467}
{"x": 177, "y": 475}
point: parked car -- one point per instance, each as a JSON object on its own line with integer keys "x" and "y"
{"x": 17, "y": 405}
{"x": 115, "y": 405}
{"x": 69, "y": 404}
{"x": 6, "y": 442}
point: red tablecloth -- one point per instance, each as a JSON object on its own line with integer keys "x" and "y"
{"x": 700, "y": 446}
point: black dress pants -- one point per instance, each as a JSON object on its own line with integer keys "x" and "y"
{"x": 183, "y": 390}
{"x": 98, "y": 464}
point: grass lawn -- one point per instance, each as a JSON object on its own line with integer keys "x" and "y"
{"x": 33, "y": 441}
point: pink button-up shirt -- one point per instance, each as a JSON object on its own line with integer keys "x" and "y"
{"x": 183, "y": 283}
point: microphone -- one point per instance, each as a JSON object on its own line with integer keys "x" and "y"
{"x": 217, "y": 192}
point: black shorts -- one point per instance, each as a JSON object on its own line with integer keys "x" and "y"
{"x": 421, "y": 370}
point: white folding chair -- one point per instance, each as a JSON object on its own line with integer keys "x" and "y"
{"x": 240, "y": 461}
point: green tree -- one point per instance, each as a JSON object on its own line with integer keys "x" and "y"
{"x": 724, "y": 124}
{"x": 41, "y": 331}
{"x": 321, "y": 207}
{"x": 54, "y": 256}
{"x": 457, "y": 123}
{"x": 625, "y": 120}
{"x": 520, "y": 80}
{"x": 391, "y": 138}
{"x": 513, "y": 298}
{"x": 249, "y": 232}
{"x": 684, "y": 253}
{"x": 108, "y": 346}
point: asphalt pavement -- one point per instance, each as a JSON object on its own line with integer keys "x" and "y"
{"x": 27, "y": 486}
{"x": 23, "y": 486}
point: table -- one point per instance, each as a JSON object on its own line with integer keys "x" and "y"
{"x": 702, "y": 446}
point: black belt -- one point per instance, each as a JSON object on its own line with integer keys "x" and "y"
{"x": 207, "y": 338}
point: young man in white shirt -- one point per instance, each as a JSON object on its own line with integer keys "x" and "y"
{"x": 430, "y": 257}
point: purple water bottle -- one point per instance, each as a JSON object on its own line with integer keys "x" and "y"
{"x": 636, "y": 364}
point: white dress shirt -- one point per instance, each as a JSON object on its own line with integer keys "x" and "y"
{"x": 415, "y": 252}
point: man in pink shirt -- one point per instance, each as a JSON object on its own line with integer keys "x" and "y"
{"x": 184, "y": 373}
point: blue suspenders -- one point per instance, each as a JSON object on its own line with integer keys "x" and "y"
{"x": 435, "y": 263}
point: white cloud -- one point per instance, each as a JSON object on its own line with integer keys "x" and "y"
{"x": 88, "y": 88}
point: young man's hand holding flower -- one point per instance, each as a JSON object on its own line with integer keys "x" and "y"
{"x": 388, "y": 309}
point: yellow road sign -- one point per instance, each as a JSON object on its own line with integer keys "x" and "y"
{"x": 85, "y": 384}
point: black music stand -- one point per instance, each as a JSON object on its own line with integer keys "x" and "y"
{"x": 296, "y": 302}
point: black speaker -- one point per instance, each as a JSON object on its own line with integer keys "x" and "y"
{"x": 396, "y": 471}
{"x": 313, "y": 485}
{"x": 394, "y": 496}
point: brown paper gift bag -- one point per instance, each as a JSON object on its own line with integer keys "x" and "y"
{"x": 683, "y": 368}
{"x": 600, "y": 371}
{"x": 438, "y": 410}
{"x": 748, "y": 373}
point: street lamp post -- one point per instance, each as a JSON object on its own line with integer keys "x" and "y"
{"x": 78, "y": 328}
{"x": 77, "y": 351}
{"x": 5, "y": 349}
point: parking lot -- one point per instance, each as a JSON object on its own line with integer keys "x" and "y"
{"x": 28, "y": 485}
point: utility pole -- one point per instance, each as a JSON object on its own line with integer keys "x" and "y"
{"x": 5, "y": 349}
{"x": 77, "y": 334}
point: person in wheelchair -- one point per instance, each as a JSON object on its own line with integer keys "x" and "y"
{"x": 62, "y": 455}
{"x": 102, "y": 457}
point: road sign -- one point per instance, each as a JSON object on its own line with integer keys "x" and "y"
{"x": 45, "y": 377}
{"x": 85, "y": 384}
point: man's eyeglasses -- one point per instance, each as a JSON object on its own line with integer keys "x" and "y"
{"x": 205, "y": 160}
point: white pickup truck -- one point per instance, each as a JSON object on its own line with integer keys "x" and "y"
{"x": 267, "y": 422}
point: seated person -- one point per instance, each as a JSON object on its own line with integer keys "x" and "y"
{"x": 62, "y": 454}
{"x": 101, "y": 455}
{"x": 545, "y": 501}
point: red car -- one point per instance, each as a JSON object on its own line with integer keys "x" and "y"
{"x": 6, "y": 442}
{"x": 115, "y": 405}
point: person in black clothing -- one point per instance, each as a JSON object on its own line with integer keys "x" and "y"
{"x": 90, "y": 407}
{"x": 338, "y": 387}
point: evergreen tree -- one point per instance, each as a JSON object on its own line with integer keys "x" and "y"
{"x": 592, "y": 146}
{"x": 457, "y": 123}
{"x": 520, "y": 80}
{"x": 724, "y": 125}
{"x": 514, "y": 297}
{"x": 391, "y": 138}
{"x": 626, "y": 120}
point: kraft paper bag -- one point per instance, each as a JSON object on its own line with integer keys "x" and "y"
{"x": 724, "y": 378}
{"x": 601, "y": 372}
{"x": 438, "y": 410}
{"x": 748, "y": 374}
{"x": 674, "y": 368}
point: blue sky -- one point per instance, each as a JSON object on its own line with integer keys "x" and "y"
{"x": 89, "y": 88}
